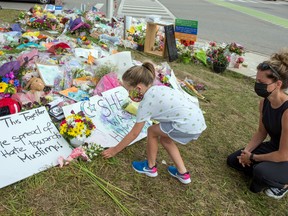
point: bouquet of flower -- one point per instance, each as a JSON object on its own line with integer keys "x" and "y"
{"x": 184, "y": 52}
{"x": 236, "y": 48}
{"x": 79, "y": 27}
{"x": 76, "y": 125}
{"x": 8, "y": 85}
{"x": 240, "y": 60}
{"x": 92, "y": 150}
{"x": 217, "y": 56}
{"x": 137, "y": 34}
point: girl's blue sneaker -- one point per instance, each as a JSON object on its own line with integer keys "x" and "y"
{"x": 184, "y": 178}
{"x": 142, "y": 167}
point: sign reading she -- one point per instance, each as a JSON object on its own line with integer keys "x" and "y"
{"x": 29, "y": 143}
{"x": 112, "y": 122}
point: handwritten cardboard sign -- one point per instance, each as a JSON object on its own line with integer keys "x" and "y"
{"x": 112, "y": 122}
{"x": 29, "y": 143}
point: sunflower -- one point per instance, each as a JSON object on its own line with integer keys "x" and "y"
{"x": 3, "y": 87}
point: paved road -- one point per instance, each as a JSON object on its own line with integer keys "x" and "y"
{"x": 142, "y": 8}
{"x": 224, "y": 24}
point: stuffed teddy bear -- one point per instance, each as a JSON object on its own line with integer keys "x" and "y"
{"x": 35, "y": 84}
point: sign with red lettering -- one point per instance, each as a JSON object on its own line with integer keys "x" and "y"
{"x": 29, "y": 143}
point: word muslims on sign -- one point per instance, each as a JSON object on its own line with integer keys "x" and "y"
{"x": 29, "y": 143}
{"x": 111, "y": 121}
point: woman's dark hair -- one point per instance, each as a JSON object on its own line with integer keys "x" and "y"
{"x": 278, "y": 65}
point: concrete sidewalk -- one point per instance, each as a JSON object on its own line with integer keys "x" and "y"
{"x": 251, "y": 60}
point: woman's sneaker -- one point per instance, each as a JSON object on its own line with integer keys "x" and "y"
{"x": 184, "y": 178}
{"x": 142, "y": 167}
{"x": 276, "y": 193}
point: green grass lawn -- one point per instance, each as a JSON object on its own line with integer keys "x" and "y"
{"x": 231, "y": 117}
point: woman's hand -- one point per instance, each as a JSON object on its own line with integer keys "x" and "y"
{"x": 108, "y": 153}
{"x": 244, "y": 158}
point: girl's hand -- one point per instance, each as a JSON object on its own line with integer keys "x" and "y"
{"x": 108, "y": 153}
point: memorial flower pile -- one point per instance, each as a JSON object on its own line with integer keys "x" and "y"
{"x": 76, "y": 125}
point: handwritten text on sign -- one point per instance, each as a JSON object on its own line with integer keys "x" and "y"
{"x": 29, "y": 143}
{"x": 112, "y": 122}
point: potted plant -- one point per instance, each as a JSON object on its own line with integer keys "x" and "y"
{"x": 217, "y": 57}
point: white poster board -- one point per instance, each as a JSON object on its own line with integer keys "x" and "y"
{"x": 111, "y": 121}
{"x": 49, "y": 73}
{"x": 29, "y": 143}
{"x": 122, "y": 61}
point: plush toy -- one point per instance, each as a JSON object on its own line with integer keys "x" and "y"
{"x": 77, "y": 152}
{"x": 35, "y": 84}
{"x": 9, "y": 106}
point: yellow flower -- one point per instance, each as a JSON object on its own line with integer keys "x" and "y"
{"x": 1, "y": 53}
{"x": 3, "y": 87}
{"x": 132, "y": 30}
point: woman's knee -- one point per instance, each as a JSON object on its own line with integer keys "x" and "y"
{"x": 260, "y": 171}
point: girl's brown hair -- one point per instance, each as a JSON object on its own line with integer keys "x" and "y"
{"x": 144, "y": 74}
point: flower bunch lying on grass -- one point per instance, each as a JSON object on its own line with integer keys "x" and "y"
{"x": 104, "y": 185}
{"x": 92, "y": 150}
{"x": 76, "y": 126}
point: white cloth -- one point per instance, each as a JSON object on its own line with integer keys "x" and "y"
{"x": 165, "y": 104}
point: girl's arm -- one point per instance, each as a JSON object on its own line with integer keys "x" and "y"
{"x": 132, "y": 135}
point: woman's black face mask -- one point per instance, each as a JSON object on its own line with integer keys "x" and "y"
{"x": 261, "y": 89}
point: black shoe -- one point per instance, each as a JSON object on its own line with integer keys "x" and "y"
{"x": 276, "y": 193}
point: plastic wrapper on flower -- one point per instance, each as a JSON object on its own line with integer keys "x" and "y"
{"x": 74, "y": 23}
{"x": 16, "y": 27}
{"x": 29, "y": 57}
{"x": 107, "y": 82}
{"x": 29, "y": 97}
{"x": 10, "y": 66}
{"x": 61, "y": 45}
